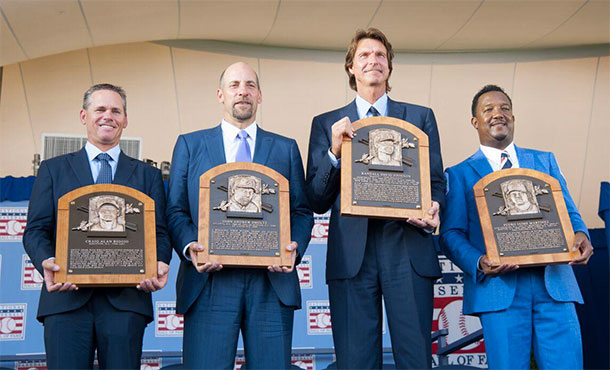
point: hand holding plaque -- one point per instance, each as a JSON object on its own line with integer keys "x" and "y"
{"x": 385, "y": 170}
{"x": 524, "y": 219}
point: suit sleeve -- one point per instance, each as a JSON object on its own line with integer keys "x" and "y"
{"x": 39, "y": 234}
{"x": 455, "y": 227}
{"x": 577, "y": 222}
{"x": 437, "y": 180}
{"x": 301, "y": 216}
{"x": 181, "y": 228}
{"x": 164, "y": 248}
{"x": 323, "y": 180}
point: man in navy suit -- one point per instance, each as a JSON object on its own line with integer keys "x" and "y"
{"x": 218, "y": 302}
{"x": 518, "y": 307}
{"x": 371, "y": 258}
{"x": 110, "y": 320}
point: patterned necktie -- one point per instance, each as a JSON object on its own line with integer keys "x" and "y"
{"x": 243, "y": 151}
{"x": 105, "y": 175}
{"x": 505, "y": 161}
{"x": 373, "y": 112}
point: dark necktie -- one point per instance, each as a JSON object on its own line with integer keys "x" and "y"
{"x": 243, "y": 151}
{"x": 505, "y": 161}
{"x": 373, "y": 112}
{"x": 105, "y": 175}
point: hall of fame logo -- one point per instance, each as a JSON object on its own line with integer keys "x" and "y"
{"x": 304, "y": 272}
{"x": 305, "y": 361}
{"x": 12, "y": 223}
{"x": 153, "y": 363}
{"x": 319, "y": 232}
{"x": 31, "y": 365}
{"x": 12, "y": 321}
{"x": 318, "y": 318}
{"x": 448, "y": 298}
{"x": 30, "y": 277}
{"x": 167, "y": 322}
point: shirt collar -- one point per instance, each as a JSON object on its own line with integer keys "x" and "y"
{"x": 495, "y": 155}
{"x": 93, "y": 151}
{"x": 363, "y": 106}
{"x": 230, "y": 131}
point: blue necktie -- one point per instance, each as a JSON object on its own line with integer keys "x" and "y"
{"x": 373, "y": 112}
{"x": 506, "y": 160}
{"x": 105, "y": 175}
{"x": 243, "y": 151}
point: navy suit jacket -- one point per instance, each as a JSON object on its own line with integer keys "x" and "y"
{"x": 462, "y": 239}
{"x": 60, "y": 175}
{"x": 347, "y": 235}
{"x": 199, "y": 151}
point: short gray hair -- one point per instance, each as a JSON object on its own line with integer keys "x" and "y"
{"x": 117, "y": 89}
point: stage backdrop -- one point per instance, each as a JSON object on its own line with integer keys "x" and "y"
{"x": 21, "y": 335}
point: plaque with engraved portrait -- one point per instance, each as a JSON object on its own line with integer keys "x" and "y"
{"x": 106, "y": 236}
{"x": 244, "y": 216}
{"x": 385, "y": 170}
{"x": 524, "y": 218}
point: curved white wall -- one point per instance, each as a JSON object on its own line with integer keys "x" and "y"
{"x": 561, "y": 98}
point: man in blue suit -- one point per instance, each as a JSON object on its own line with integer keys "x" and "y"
{"x": 371, "y": 258}
{"x": 216, "y": 302}
{"x": 518, "y": 307}
{"x": 110, "y": 320}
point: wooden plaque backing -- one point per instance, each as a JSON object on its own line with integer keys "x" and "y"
{"x": 282, "y": 257}
{"x": 105, "y": 279}
{"x": 481, "y": 187}
{"x": 347, "y": 202}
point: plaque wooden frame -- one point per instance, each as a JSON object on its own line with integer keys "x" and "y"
{"x": 282, "y": 257}
{"x": 493, "y": 253}
{"x": 105, "y": 279}
{"x": 348, "y": 206}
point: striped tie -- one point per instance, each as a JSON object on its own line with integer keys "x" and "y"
{"x": 505, "y": 161}
{"x": 373, "y": 112}
{"x": 105, "y": 175}
{"x": 243, "y": 150}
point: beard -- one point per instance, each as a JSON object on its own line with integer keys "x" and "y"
{"x": 242, "y": 115}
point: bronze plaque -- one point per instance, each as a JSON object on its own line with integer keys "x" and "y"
{"x": 106, "y": 236}
{"x": 524, "y": 218}
{"x": 385, "y": 170}
{"x": 244, "y": 216}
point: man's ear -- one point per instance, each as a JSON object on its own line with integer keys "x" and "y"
{"x": 83, "y": 116}
{"x": 474, "y": 122}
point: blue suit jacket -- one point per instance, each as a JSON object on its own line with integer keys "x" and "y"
{"x": 60, "y": 175}
{"x": 199, "y": 151}
{"x": 347, "y": 235}
{"x": 462, "y": 239}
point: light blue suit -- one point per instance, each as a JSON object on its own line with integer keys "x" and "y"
{"x": 462, "y": 242}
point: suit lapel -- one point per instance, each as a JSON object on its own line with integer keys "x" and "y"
{"x": 479, "y": 163}
{"x": 396, "y": 110}
{"x": 263, "y": 145}
{"x": 526, "y": 158}
{"x": 124, "y": 169}
{"x": 215, "y": 147}
{"x": 350, "y": 111}
{"x": 80, "y": 165}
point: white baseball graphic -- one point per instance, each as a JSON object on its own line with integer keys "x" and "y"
{"x": 7, "y": 325}
{"x": 319, "y": 230}
{"x": 458, "y": 325}
{"x": 172, "y": 322}
{"x": 13, "y": 227}
{"x": 323, "y": 320}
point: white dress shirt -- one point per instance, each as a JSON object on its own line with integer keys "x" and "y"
{"x": 494, "y": 156}
{"x": 231, "y": 140}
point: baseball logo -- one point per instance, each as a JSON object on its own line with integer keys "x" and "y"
{"x": 457, "y": 324}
